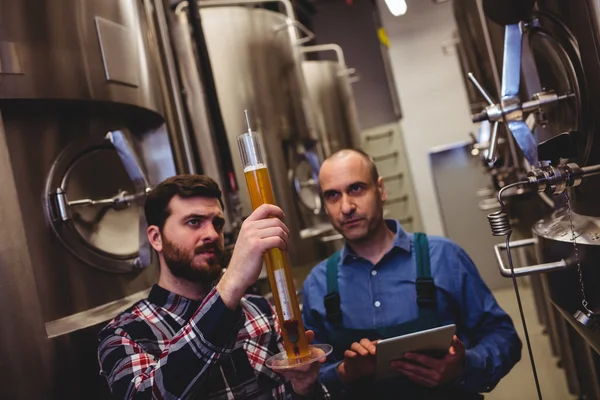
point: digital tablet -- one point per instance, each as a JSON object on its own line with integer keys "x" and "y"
{"x": 433, "y": 342}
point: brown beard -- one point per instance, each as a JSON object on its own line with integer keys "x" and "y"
{"x": 181, "y": 263}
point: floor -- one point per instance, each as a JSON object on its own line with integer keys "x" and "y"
{"x": 519, "y": 383}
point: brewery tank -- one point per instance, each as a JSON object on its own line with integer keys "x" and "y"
{"x": 255, "y": 65}
{"x": 87, "y": 125}
{"x": 329, "y": 87}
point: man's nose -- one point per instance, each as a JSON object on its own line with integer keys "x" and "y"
{"x": 210, "y": 234}
{"x": 348, "y": 205}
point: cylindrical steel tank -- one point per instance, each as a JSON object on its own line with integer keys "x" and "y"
{"x": 561, "y": 53}
{"x": 331, "y": 94}
{"x": 70, "y": 72}
{"x": 255, "y": 67}
{"x": 330, "y": 90}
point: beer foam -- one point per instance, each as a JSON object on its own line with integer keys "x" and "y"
{"x": 250, "y": 168}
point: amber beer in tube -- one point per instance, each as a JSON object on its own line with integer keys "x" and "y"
{"x": 277, "y": 262}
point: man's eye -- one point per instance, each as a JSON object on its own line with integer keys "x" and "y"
{"x": 331, "y": 196}
{"x": 219, "y": 224}
{"x": 355, "y": 189}
{"x": 193, "y": 222}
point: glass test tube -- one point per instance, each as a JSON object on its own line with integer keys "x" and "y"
{"x": 277, "y": 262}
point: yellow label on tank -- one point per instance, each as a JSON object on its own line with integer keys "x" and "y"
{"x": 383, "y": 38}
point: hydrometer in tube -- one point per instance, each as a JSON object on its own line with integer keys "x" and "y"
{"x": 297, "y": 350}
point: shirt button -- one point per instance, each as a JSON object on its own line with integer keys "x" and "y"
{"x": 377, "y": 304}
{"x": 373, "y": 272}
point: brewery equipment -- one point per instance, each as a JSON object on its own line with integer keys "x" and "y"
{"x": 329, "y": 88}
{"x": 255, "y": 65}
{"x": 88, "y": 123}
{"x": 562, "y": 40}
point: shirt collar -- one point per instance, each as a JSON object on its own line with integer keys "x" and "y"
{"x": 401, "y": 239}
{"x": 182, "y": 306}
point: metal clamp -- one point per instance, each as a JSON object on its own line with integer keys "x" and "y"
{"x": 527, "y": 270}
{"x": 561, "y": 177}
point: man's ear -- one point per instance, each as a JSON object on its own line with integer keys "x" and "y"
{"x": 381, "y": 188}
{"x": 155, "y": 238}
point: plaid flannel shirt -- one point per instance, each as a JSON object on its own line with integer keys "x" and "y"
{"x": 170, "y": 347}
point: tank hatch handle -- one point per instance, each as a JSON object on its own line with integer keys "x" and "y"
{"x": 118, "y": 139}
{"x": 510, "y": 110}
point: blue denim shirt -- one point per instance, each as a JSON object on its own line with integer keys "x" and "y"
{"x": 384, "y": 294}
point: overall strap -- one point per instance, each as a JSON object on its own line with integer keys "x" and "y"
{"x": 426, "y": 298}
{"x": 333, "y": 308}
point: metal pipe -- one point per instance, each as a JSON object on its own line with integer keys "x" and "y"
{"x": 327, "y": 47}
{"x": 483, "y": 92}
{"x": 173, "y": 85}
{"x": 591, "y": 170}
{"x": 529, "y": 269}
{"x": 493, "y": 149}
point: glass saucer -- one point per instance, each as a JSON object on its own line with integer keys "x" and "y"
{"x": 282, "y": 362}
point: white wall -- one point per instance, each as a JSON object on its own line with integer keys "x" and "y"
{"x": 431, "y": 90}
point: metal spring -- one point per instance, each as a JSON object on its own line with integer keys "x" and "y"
{"x": 499, "y": 223}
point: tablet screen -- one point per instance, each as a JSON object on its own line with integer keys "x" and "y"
{"x": 432, "y": 342}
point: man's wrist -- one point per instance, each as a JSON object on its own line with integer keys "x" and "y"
{"x": 229, "y": 293}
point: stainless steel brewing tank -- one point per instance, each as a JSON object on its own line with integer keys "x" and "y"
{"x": 92, "y": 50}
{"x": 331, "y": 93}
{"x": 72, "y": 71}
{"x": 554, "y": 243}
{"x": 255, "y": 68}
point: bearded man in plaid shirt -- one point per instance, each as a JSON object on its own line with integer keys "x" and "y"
{"x": 191, "y": 339}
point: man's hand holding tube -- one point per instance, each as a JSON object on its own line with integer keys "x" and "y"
{"x": 305, "y": 378}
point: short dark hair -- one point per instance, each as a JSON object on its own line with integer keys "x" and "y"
{"x": 157, "y": 202}
{"x": 370, "y": 162}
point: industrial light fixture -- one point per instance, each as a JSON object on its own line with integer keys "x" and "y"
{"x": 397, "y": 7}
